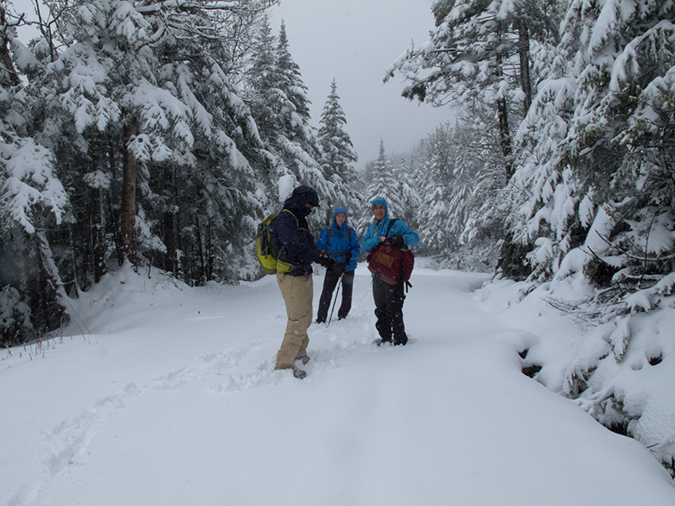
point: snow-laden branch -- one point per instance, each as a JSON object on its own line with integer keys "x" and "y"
{"x": 29, "y": 183}
{"x": 232, "y": 5}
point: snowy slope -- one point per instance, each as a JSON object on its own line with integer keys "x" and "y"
{"x": 161, "y": 394}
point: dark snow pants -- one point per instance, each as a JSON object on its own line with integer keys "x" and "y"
{"x": 389, "y": 311}
{"x": 329, "y": 284}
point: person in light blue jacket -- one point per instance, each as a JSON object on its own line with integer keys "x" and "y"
{"x": 340, "y": 244}
{"x": 388, "y": 298}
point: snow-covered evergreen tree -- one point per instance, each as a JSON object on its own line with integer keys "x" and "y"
{"x": 622, "y": 135}
{"x": 458, "y": 182}
{"x": 472, "y": 56}
{"x": 32, "y": 198}
{"x": 435, "y": 174}
{"x": 600, "y": 132}
{"x": 278, "y": 99}
{"x": 281, "y": 109}
{"x": 148, "y": 82}
{"x": 408, "y": 190}
{"x": 542, "y": 200}
{"x": 227, "y": 168}
{"x": 384, "y": 183}
{"x": 591, "y": 201}
{"x": 338, "y": 157}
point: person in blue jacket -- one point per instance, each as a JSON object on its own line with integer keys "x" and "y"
{"x": 388, "y": 298}
{"x": 295, "y": 250}
{"x": 339, "y": 242}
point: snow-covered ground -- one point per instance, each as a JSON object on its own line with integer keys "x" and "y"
{"x": 161, "y": 394}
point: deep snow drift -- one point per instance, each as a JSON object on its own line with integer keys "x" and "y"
{"x": 161, "y": 394}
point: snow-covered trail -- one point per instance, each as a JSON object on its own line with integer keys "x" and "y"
{"x": 171, "y": 400}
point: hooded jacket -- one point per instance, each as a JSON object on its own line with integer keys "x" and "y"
{"x": 291, "y": 239}
{"x": 342, "y": 240}
{"x": 378, "y": 229}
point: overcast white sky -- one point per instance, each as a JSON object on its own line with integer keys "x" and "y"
{"x": 354, "y": 41}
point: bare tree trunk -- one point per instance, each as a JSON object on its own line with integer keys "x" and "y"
{"x": 170, "y": 263}
{"x": 524, "y": 53}
{"x": 504, "y": 133}
{"x": 96, "y": 231}
{"x": 202, "y": 231}
{"x": 128, "y": 207}
{"x": 178, "y": 254}
{"x": 202, "y": 249}
{"x": 95, "y": 213}
{"x": 49, "y": 266}
{"x": 112, "y": 152}
{"x": 505, "y": 137}
{"x": 10, "y": 76}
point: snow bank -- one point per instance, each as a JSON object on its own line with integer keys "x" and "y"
{"x": 619, "y": 371}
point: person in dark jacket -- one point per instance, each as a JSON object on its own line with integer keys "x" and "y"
{"x": 295, "y": 250}
{"x": 339, "y": 242}
{"x": 388, "y": 298}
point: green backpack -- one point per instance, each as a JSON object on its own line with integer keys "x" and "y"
{"x": 265, "y": 251}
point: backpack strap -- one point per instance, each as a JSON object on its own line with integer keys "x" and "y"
{"x": 325, "y": 249}
{"x": 297, "y": 223}
{"x": 391, "y": 222}
{"x": 337, "y": 253}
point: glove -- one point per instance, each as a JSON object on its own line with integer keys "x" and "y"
{"x": 397, "y": 241}
{"x": 326, "y": 261}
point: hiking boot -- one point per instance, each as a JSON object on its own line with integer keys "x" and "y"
{"x": 318, "y": 320}
{"x": 380, "y": 341}
{"x": 304, "y": 359}
{"x": 401, "y": 341}
{"x": 299, "y": 373}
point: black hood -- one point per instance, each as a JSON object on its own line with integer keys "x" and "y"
{"x": 302, "y": 195}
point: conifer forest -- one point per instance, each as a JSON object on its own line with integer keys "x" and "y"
{"x": 159, "y": 133}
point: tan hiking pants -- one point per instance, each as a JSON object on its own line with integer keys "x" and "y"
{"x": 298, "y": 292}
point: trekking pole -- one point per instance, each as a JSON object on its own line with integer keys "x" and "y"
{"x": 335, "y": 299}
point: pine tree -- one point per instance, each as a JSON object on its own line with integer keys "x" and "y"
{"x": 458, "y": 183}
{"x": 622, "y": 135}
{"x": 603, "y": 130}
{"x": 280, "y": 107}
{"x": 163, "y": 101}
{"x": 408, "y": 190}
{"x": 338, "y": 157}
{"x": 385, "y": 184}
{"x": 435, "y": 174}
{"x": 32, "y": 199}
{"x": 470, "y": 58}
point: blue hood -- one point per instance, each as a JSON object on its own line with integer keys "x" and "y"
{"x": 381, "y": 202}
{"x": 341, "y": 210}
